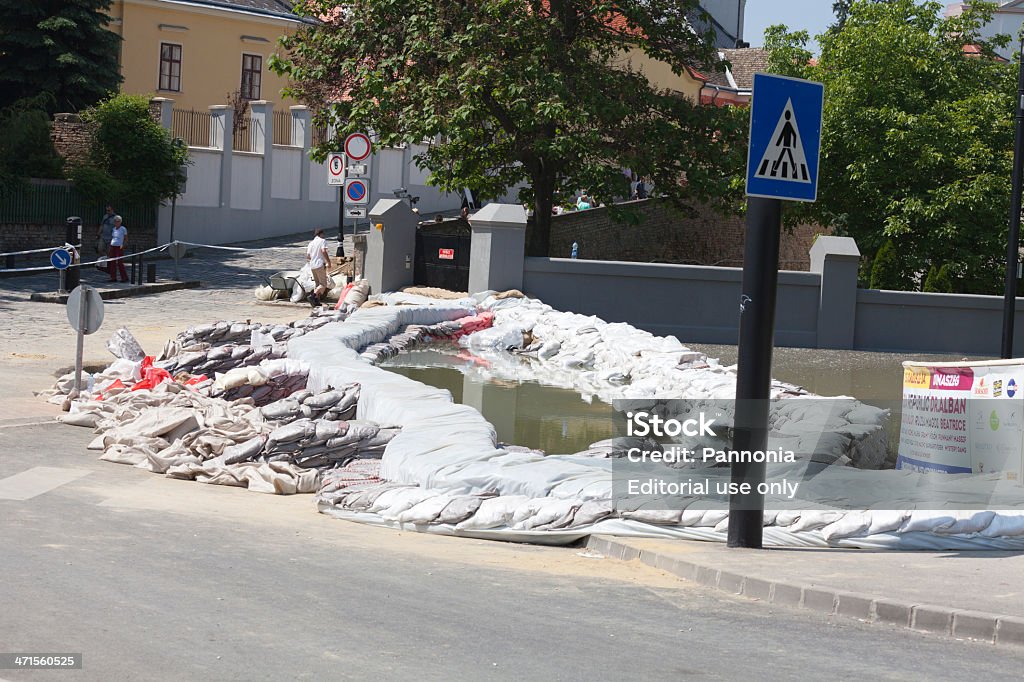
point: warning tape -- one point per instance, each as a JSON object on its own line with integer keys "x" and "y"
{"x": 162, "y": 247}
{"x": 22, "y": 253}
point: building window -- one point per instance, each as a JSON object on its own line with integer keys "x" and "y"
{"x": 252, "y": 65}
{"x": 170, "y": 67}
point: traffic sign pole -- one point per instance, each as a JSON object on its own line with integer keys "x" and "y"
{"x": 83, "y": 314}
{"x": 782, "y": 163}
{"x": 753, "y": 376}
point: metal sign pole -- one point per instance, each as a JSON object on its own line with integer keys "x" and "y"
{"x": 83, "y": 315}
{"x": 1013, "y": 245}
{"x": 753, "y": 377}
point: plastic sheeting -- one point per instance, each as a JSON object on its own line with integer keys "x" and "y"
{"x": 446, "y": 450}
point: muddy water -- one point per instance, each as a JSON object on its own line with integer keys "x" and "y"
{"x": 870, "y": 377}
{"x": 554, "y": 420}
{"x": 558, "y": 421}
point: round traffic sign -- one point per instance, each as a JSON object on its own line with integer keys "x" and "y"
{"x": 357, "y": 146}
{"x": 356, "y": 191}
{"x": 60, "y": 258}
{"x": 93, "y": 308}
{"x": 337, "y": 164}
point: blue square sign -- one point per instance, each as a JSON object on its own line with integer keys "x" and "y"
{"x": 785, "y": 138}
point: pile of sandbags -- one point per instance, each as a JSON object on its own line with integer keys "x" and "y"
{"x": 211, "y": 360}
{"x": 415, "y": 335}
{"x": 331, "y": 405}
{"x": 265, "y": 383}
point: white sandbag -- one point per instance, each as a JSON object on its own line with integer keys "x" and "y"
{"x": 358, "y": 294}
{"x": 493, "y": 512}
{"x": 426, "y": 511}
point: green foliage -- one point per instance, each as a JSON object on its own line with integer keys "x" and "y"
{"x": 132, "y": 158}
{"x": 918, "y": 137}
{"x": 26, "y": 150}
{"x": 529, "y": 93}
{"x": 939, "y": 280}
{"x": 887, "y": 272}
{"x": 60, "y": 47}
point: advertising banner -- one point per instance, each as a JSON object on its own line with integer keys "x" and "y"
{"x": 963, "y": 418}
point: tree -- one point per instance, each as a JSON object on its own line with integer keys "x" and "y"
{"x": 26, "y": 150}
{"x": 132, "y": 158}
{"x": 841, "y": 8}
{"x": 534, "y": 94}
{"x": 938, "y": 280}
{"x": 61, "y": 47}
{"x": 918, "y": 135}
{"x": 886, "y": 269}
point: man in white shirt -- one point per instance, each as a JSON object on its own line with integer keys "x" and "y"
{"x": 319, "y": 261}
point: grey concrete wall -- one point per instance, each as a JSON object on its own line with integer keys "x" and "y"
{"x": 700, "y": 305}
{"x": 697, "y": 304}
{"x": 962, "y": 324}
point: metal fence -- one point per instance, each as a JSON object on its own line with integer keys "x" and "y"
{"x": 52, "y": 202}
{"x": 192, "y": 126}
{"x": 320, "y": 135}
{"x": 244, "y": 131}
{"x": 283, "y": 127}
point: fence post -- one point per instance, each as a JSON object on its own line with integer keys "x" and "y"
{"x": 498, "y": 249}
{"x": 837, "y": 260}
{"x": 165, "y": 111}
{"x": 263, "y": 143}
{"x": 222, "y": 138}
{"x": 302, "y": 136}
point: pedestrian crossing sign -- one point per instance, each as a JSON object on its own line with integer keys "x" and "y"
{"x": 785, "y": 138}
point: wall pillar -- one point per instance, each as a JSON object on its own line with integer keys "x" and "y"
{"x": 390, "y": 246}
{"x": 222, "y": 138}
{"x": 498, "y": 248}
{"x": 164, "y": 111}
{"x": 262, "y": 117}
{"x": 837, "y": 260}
{"x": 302, "y": 136}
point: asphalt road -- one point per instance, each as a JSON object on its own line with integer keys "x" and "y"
{"x": 155, "y": 579}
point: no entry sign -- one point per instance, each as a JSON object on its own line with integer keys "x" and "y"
{"x": 357, "y": 146}
{"x": 357, "y": 192}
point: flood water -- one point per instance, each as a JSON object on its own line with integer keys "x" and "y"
{"x": 559, "y": 421}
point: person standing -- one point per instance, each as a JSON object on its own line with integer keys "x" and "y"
{"x": 114, "y": 255}
{"x": 106, "y": 229}
{"x": 319, "y": 261}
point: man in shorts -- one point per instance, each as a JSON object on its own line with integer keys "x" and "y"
{"x": 319, "y": 261}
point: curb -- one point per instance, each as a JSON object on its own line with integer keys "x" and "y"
{"x": 939, "y": 620}
{"x": 130, "y": 292}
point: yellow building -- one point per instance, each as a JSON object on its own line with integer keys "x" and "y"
{"x": 196, "y": 52}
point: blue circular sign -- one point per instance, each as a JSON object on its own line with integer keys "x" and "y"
{"x": 356, "y": 191}
{"x": 60, "y": 259}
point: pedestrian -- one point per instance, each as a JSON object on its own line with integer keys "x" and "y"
{"x": 464, "y": 213}
{"x": 116, "y": 251}
{"x": 319, "y": 261}
{"x": 583, "y": 203}
{"x": 104, "y": 232}
{"x": 641, "y": 188}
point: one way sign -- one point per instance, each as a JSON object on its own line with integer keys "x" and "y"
{"x": 785, "y": 138}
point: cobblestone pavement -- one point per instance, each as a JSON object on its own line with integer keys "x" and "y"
{"x": 36, "y": 340}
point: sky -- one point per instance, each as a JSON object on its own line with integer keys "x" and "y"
{"x": 814, "y": 16}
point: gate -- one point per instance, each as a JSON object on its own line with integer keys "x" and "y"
{"x": 442, "y": 255}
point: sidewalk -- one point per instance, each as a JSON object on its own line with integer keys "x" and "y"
{"x": 36, "y": 341}
{"x": 967, "y": 595}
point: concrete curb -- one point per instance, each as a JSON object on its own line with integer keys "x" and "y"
{"x": 941, "y": 620}
{"x": 107, "y": 294}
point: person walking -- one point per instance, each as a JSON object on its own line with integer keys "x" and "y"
{"x": 319, "y": 261}
{"x": 105, "y": 230}
{"x": 114, "y": 255}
